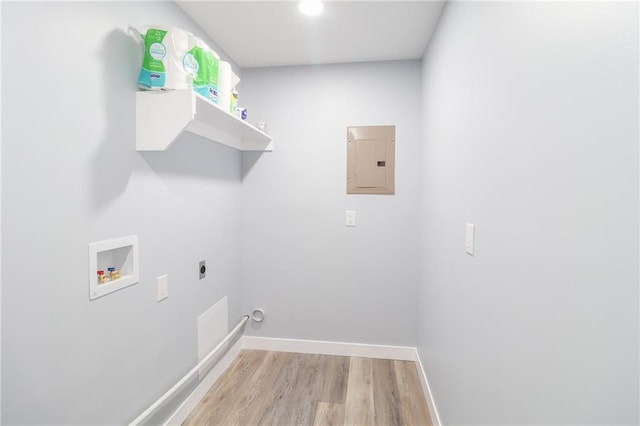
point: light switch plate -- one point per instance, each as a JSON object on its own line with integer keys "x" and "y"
{"x": 350, "y": 219}
{"x": 163, "y": 287}
{"x": 469, "y": 241}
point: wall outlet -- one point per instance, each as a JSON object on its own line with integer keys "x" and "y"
{"x": 350, "y": 218}
{"x": 202, "y": 268}
{"x": 163, "y": 287}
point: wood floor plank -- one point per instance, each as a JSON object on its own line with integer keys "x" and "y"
{"x": 309, "y": 390}
{"x": 258, "y": 397}
{"x": 300, "y": 404}
{"x": 329, "y": 414}
{"x": 278, "y": 398}
{"x": 386, "y": 396}
{"x": 219, "y": 399}
{"x": 335, "y": 381}
{"x": 412, "y": 400}
{"x": 359, "y": 405}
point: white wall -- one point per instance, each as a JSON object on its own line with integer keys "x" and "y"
{"x": 71, "y": 175}
{"x": 0, "y": 221}
{"x": 531, "y": 132}
{"x": 316, "y": 278}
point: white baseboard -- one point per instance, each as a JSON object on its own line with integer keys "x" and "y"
{"x": 203, "y": 387}
{"x": 433, "y": 411}
{"x": 403, "y": 353}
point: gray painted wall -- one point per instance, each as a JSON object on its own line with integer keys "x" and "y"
{"x": 0, "y": 220}
{"x": 531, "y": 132}
{"x": 71, "y": 175}
{"x": 316, "y": 278}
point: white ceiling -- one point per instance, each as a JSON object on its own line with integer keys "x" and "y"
{"x": 275, "y": 33}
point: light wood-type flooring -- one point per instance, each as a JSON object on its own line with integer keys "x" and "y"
{"x": 282, "y": 389}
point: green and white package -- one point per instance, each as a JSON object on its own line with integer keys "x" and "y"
{"x": 205, "y": 81}
{"x": 163, "y": 64}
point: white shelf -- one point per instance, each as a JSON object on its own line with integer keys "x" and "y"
{"x": 161, "y": 117}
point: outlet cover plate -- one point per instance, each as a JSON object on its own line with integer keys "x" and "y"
{"x": 350, "y": 218}
{"x": 470, "y": 239}
{"x": 163, "y": 287}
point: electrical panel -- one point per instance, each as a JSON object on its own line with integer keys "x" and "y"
{"x": 371, "y": 159}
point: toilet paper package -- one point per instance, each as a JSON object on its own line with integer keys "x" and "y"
{"x": 205, "y": 81}
{"x": 166, "y": 64}
{"x": 227, "y": 82}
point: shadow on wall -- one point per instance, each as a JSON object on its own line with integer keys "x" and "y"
{"x": 249, "y": 159}
{"x": 121, "y": 58}
{"x": 193, "y": 155}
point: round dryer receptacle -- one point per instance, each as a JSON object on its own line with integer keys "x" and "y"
{"x": 257, "y": 315}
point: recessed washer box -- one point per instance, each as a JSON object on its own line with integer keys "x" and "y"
{"x": 120, "y": 253}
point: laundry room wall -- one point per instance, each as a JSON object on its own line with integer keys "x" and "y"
{"x": 316, "y": 278}
{"x": 530, "y": 120}
{"x": 71, "y": 176}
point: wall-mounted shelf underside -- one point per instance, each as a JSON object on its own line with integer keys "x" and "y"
{"x": 161, "y": 117}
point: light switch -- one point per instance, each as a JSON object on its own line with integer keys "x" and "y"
{"x": 163, "y": 287}
{"x": 469, "y": 241}
{"x": 351, "y": 218}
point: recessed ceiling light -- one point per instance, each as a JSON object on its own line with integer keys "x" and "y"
{"x": 311, "y": 7}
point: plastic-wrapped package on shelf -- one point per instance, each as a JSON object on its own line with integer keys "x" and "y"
{"x": 205, "y": 81}
{"x": 176, "y": 59}
{"x": 166, "y": 63}
{"x": 227, "y": 82}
